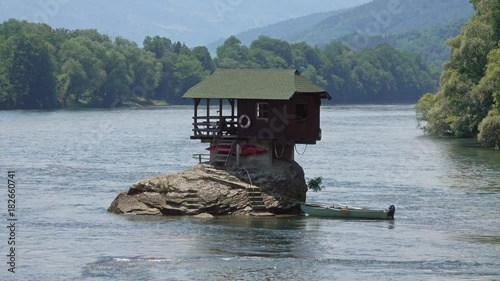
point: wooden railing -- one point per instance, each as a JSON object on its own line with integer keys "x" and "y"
{"x": 214, "y": 126}
{"x": 202, "y": 157}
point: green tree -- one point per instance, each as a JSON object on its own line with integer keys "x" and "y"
{"x": 160, "y": 46}
{"x": 304, "y": 55}
{"x": 203, "y": 55}
{"x": 31, "y": 73}
{"x": 82, "y": 72}
{"x": 276, "y": 48}
{"x": 144, "y": 69}
{"x": 466, "y": 100}
{"x": 232, "y": 54}
{"x": 188, "y": 72}
{"x": 489, "y": 130}
{"x": 6, "y": 98}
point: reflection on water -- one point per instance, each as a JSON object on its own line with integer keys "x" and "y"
{"x": 253, "y": 237}
{"x": 470, "y": 166}
{"x": 493, "y": 240}
{"x": 248, "y": 222}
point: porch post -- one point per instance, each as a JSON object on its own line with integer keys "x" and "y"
{"x": 221, "y": 122}
{"x": 238, "y": 152}
{"x": 231, "y": 101}
{"x": 208, "y": 116}
{"x": 195, "y": 123}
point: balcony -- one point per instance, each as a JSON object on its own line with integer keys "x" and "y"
{"x": 210, "y": 127}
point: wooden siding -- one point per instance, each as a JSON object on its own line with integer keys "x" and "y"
{"x": 282, "y": 123}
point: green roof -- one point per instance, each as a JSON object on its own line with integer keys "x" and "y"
{"x": 260, "y": 84}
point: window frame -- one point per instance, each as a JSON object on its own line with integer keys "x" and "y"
{"x": 306, "y": 107}
{"x": 264, "y": 112}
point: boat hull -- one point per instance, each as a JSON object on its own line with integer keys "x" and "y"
{"x": 347, "y": 212}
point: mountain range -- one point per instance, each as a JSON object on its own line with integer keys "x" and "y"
{"x": 378, "y": 17}
{"x": 416, "y": 26}
{"x": 194, "y": 22}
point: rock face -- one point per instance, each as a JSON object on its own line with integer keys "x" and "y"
{"x": 204, "y": 189}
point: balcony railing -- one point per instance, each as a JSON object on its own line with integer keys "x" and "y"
{"x": 214, "y": 126}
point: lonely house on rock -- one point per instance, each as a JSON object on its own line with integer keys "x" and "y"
{"x": 255, "y": 115}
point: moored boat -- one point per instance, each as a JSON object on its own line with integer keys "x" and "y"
{"x": 348, "y": 212}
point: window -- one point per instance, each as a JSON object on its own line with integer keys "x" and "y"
{"x": 262, "y": 111}
{"x": 301, "y": 111}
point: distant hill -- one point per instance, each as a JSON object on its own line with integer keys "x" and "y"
{"x": 195, "y": 22}
{"x": 429, "y": 43}
{"x": 282, "y": 29}
{"x": 417, "y": 26}
{"x": 379, "y": 17}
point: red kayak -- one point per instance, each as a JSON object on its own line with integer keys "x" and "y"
{"x": 245, "y": 150}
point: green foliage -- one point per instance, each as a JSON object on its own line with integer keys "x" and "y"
{"x": 489, "y": 131}
{"x": 31, "y": 76}
{"x": 424, "y": 107}
{"x": 383, "y": 74}
{"x": 45, "y": 68}
{"x": 316, "y": 184}
{"x": 467, "y": 104}
{"x": 430, "y": 43}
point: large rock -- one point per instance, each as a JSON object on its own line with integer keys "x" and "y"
{"x": 204, "y": 189}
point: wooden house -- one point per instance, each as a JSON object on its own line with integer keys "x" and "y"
{"x": 272, "y": 110}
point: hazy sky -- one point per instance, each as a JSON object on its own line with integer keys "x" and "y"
{"x": 196, "y": 22}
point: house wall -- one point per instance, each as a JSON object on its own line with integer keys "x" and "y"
{"x": 282, "y": 123}
{"x": 275, "y": 151}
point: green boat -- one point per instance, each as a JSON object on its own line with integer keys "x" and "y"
{"x": 348, "y": 212}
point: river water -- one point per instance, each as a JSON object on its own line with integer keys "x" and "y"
{"x": 70, "y": 166}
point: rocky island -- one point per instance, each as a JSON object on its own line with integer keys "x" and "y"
{"x": 205, "y": 189}
{"x": 252, "y": 139}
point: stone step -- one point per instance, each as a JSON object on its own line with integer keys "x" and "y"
{"x": 192, "y": 202}
{"x": 262, "y": 214}
{"x": 253, "y": 189}
{"x": 254, "y": 194}
{"x": 258, "y": 204}
{"x": 259, "y": 208}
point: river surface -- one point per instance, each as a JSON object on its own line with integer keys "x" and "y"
{"x": 70, "y": 165}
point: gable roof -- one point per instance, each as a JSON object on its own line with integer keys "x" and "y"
{"x": 260, "y": 84}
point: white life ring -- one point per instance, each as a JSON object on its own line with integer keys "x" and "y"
{"x": 242, "y": 119}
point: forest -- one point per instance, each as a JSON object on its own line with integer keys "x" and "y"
{"x": 430, "y": 43}
{"x": 46, "y": 68}
{"x": 467, "y": 104}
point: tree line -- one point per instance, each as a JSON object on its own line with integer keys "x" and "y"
{"x": 44, "y": 68}
{"x": 467, "y": 104}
